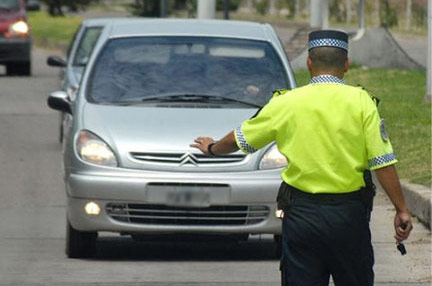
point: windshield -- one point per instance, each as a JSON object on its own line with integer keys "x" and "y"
{"x": 139, "y": 69}
{"x": 9, "y": 4}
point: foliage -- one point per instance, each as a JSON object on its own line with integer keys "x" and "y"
{"x": 151, "y": 8}
{"x": 419, "y": 14}
{"x": 388, "y": 14}
{"x": 146, "y": 8}
{"x": 233, "y": 5}
{"x": 408, "y": 120}
{"x": 290, "y": 4}
{"x": 262, "y": 6}
{"x": 55, "y": 7}
{"x": 337, "y": 10}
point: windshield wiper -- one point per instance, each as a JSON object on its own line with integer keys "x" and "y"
{"x": 196, "y": 97}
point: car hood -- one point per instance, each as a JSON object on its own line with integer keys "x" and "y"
{"x": 159, "y": 129}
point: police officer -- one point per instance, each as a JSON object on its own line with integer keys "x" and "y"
{"x": 331, "y": 135}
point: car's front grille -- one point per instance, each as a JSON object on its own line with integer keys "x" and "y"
{"x": 185, "y": 159}
{"x": 168, "y": 215}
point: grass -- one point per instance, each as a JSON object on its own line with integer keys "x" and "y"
{"x": 408, "y": 119}
{"x": 52, "y": 31}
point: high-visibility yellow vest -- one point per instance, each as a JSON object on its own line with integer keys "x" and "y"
{"x": 329, "y": 133}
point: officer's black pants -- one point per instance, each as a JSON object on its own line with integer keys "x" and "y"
{"x": 326, "y": 237}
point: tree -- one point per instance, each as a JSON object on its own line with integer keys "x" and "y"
{"x": 55, "y": 7}
{"x": 146, "y": 8}
{"x": 388, "y": 14}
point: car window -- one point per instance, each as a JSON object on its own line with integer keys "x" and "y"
{"x": 9, "y": 4}
{"x": 133, "y": 69}
{"x": 86, "y": 45}
{"x": 69, "y": 50}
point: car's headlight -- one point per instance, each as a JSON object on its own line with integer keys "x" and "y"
{"x": 18, "y": 29}
{"x": 272, "y": 159}
{"x": 94, "y": 150}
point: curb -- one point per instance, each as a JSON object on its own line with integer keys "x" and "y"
{"x": 418, "y": 198}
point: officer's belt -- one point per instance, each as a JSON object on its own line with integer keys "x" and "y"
{"x": 296, "y": 193}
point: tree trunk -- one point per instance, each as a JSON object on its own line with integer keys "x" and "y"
{"x": 249, "y": 5}
{"x": 348, "y": 11}
{"x": 272, "y": 10}
{"x": 429, "y": 56}
{"x": 361, "y": 14}
{"x": 377, "y": 13}
{"x": 163, "y": 8}
{"x": 408, "y": 14}
{"x": 297, "y": 10}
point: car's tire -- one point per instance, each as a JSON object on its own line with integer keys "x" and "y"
{"x": 24, "y": 69}
{"x": 19, "y": 68}
{"x": 80, "y": 244}
{"x": 278, "y": 245}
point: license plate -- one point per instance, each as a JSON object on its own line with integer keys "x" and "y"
{"x": 188, "y": 198}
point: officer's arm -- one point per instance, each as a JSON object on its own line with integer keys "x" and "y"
{"x": 224, "y": 146}
{"x": 389, "y": 180}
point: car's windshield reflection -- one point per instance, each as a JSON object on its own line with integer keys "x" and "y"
{"x": 133, "y": 69}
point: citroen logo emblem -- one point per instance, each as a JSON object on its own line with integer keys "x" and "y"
{"x": 188, "y": 158}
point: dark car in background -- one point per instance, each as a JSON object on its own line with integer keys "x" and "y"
{"x": 15, "y": 41}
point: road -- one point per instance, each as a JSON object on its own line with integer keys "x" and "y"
{"x": 32, "y": 224}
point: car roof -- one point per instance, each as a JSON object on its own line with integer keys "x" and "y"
{"x": 102, "y": 21}
{"x": 127, "y": 27}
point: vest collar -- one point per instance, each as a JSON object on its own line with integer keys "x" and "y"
{"x": 326, "y": 78}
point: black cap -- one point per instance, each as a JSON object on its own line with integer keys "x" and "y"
{"x": 328, "y": 38}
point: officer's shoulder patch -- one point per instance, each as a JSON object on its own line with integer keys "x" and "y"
{"x": 375, "y": 99}
{"x": 278, "y": 92}
{"x": 383, "y": 131}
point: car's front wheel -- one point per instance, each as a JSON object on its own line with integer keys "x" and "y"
{"x": 80, "y": 244}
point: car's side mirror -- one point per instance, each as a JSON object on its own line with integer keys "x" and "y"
{"x": 32, "y": 6}
{"x": 56, "y": 61}
{"x": 59, "y": 100}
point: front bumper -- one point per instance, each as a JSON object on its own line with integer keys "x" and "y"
{"x": 14, "y": 50}
{"x": 239, "y": 193}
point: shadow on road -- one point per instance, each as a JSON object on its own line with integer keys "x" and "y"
{"x": 191, "y": 249}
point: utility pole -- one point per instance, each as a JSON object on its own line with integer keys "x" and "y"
{"x": 429, "y": 56}
{"x": 319, "y": 13}
{"x": 206, "y": 9}
{"x": 325, "y": 14}
{"x": 315, "y": 14}
{"x": 361, "y": 14}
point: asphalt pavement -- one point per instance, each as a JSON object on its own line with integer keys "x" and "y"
{"x": 32, "y": 225}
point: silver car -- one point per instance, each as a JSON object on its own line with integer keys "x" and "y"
{"x": 150, "y": 87}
